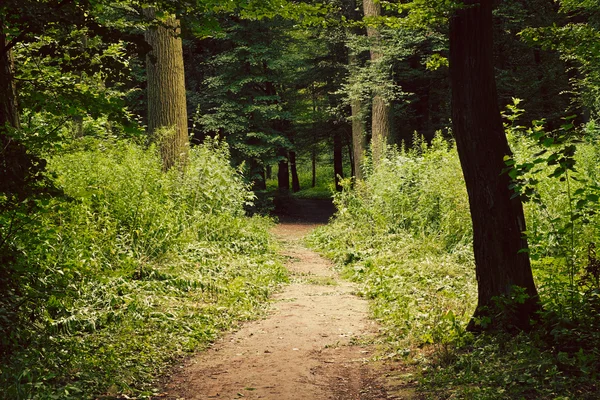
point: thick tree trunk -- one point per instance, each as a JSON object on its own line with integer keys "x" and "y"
{"x": 16, "y": 165}
{"x": 167, "y": 111}
{"x": 359, "y": 138}
{"x": 338, "y": 162}
{"x": 498, "y": 221}
{"x": 381, "y": 128}
{"x": 294, "y": 171}
{"x": 9, "y": 112}
{"x": 351, "y": 156}
{"x": 283, "y": 173}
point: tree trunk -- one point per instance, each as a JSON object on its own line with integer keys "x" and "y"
{"x": 294, "y": 171}
{"x": 283, "y": 174}
{"x": 381, "y": 127}
{"x": 9, "y": 112}
{"x": 359, "y": 139}
{"x": 498, "y": 220}
{"x": 313, "y": 157}
{"x": 16, "y": 165}
{"x": 338, "y": 162}
{"x": 351, "y": 157}
{"x": 167, "y": 111}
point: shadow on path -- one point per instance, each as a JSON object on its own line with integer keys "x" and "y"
{"x": 314, "y": 211}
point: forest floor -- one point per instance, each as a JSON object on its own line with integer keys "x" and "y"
{"x": 317, "y": 341}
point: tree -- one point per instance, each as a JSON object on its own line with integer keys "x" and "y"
{"x": 167, "y": 111}
{"x": 381, "y": 107}
{"x": 17, "y": 167}
{"x": 359, "y": 139}
{"x": 502, "y": 263}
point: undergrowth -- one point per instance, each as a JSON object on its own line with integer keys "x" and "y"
{"x": 126, "y": 271}
{"x": 405, "y": 235}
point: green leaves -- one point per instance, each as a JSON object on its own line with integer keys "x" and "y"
{"x": 103, "y": 289}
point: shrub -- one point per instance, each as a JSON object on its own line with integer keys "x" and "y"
{"x": 129, "y": 268}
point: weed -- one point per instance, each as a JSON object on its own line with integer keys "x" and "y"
{"x": 131, "y": 269}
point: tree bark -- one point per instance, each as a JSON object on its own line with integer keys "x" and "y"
{"x": 359, "y": 139}
{"x": 338, "y": 162}
{"x": 294, "y": 171}
{"x": 9, "y": 112}
{"x": 351, "y": 156}
{"x": 17, "y": 167}
{"x": 167, "y": 111}
{"x": 313, "y": 157}
{"x": 498, "y": 220}
{"x": 283, "y": 173}
{"x": 381, "y": 127}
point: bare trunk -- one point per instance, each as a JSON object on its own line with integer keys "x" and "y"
{"x": 9, "y": 112}
{"x": 16, "y": 165}
{"x": 338, "y": 162}
{"x": 359, "y": 139}
{"x": 381, "y": 128}
{"x": 167, "y": 111}
{"x": 351, "y": 157}
{"x": 498, "y": 220}
{"x": 283, "y": 173}
{"x": 294, "y": 171}
{"x": 314, "y": 167}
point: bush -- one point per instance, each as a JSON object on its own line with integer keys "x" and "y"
{"x": 131, "y": 267}
{"x": 405, "y": 235}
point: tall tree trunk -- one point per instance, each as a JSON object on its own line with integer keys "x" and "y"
{"x": 338, "y": 161}
{"x": 351, "y": 157}
{"x": 16, "y": 165}
{"x": 167, "y": 111}
{"x": 498, "y": 220}
{"x": 9, "y": 112}
{"x": 313, "y": 158}
{"x": 294, "y": 171}
{"x": 283, "y": 173}
{"x": 258, "y": 174}
{"x": 381, "y": 127}
{"x": 359, "y": 138}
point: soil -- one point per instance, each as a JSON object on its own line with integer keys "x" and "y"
{"x": 315, "y": 344}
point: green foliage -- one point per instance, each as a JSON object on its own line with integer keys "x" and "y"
{"x": 245, "y": 84}
{"x": 132, "y": 268}
{"x": 557, "y": 173}
{"x": 404, "y": 235}
{"x": 577, "y": 43}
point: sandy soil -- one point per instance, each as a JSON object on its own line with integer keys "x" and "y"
{"x": 315, "y": 343}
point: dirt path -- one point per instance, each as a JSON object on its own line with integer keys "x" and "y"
{"x": 314, "y": 345}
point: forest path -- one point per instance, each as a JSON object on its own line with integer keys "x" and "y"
{"x": 314, "y": 344}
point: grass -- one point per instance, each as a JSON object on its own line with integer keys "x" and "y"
{"x": 130, "y": 270}
{"x": 405, "y": 236}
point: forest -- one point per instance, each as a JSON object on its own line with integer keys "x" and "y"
{"x": 149, "y": 148}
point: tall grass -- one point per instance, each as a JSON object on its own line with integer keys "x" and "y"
{"x": 405, "y": 235}
{"x": 130, "y": 268}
